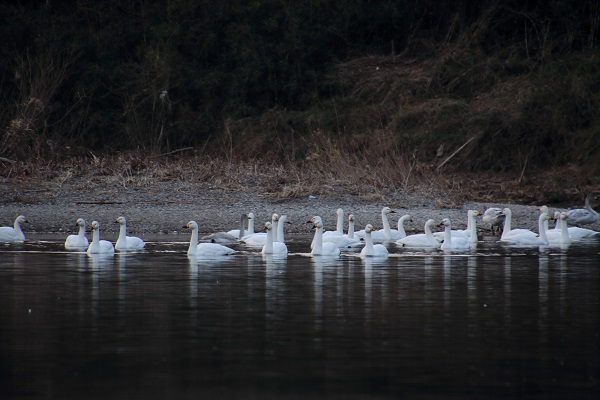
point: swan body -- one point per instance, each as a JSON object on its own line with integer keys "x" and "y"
{"x": 259, "y": 239}
{"x": 14, "y": 234}
{"x": 453, "y": 242}
{"x": 125, "y": 242}
{"x": 79, "y": 241}
{"x": 240, "y": 233}
{"x": 507, "y": 232}
{"x": 387, "y": 233}
{"x": 583, "y": 216}
{"x": 421, "y": 239}
{"x": 271, "y": 246}
{"x": 526, "y": 239}
{"x": 205, "y": 249}
{"x": 494, "y": 217}
{"x": 99, "y": 246}
{"x": 321, "y": 248}
{"x": 371, "y": 249}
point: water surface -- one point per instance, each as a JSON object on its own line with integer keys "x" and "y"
{"x": 493, "y": 322}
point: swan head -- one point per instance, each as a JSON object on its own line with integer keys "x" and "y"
{"x": 543, "y": 217}
{"x": 544, "y": 209}
{"x": 446, "y": 222}
{"x": 95, "y": 225}
{"x": 405, "y": 217}
{"x": 121, "y": 221}
{"x": 250, "y": 215}
{"x": 351, "y": 217}
{"x": 369, "y": 228}
{"x": 268, "y": 226}
{"x": 318, "y": 223}
{"x": 387, "y": 210}
{"x": 430, "y": 222}
{"x": 275, "y": 217}
{"x": 563, "y": 216}
{"x": 80, "y": 222}
{"x": 506, "y": 211}
{"x": 21, "y": 219}
{"x": 339, "y": 211}
{"x": 283, "y": 220}
{"x": 191, "y": 225}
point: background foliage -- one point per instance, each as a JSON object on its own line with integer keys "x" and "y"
{"x": 509, "y": 84}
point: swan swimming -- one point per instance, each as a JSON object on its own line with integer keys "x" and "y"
{"x": 453, "y": 242}
{"x": 338, "y": 237}
{"x": 560, "y": 237}
{"x": 125, "y": 242}
{"x": 259, "y": 239}
{"x": 507, "y": 232}
{"x": 469, "y": 233}
{"x": 387, "y": 233}
{"x": 79, "y": 241}
{"x": 525, "y": 239}
{"x": 232, "y": 236}
{"x": 99, "y": 246}
{"x": 240, "y": 233}
{"x": 319, "y": 247}
{"x": 583, "y": 216}
{"x": 205, "y": 249}
{"x": 370, "y": 249}
{"x": 421, "y": 239}
{"x": 271, "y": 246}
{"x": 15, "y": 234}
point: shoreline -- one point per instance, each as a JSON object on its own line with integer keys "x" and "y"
{"x": 165, "y": 207}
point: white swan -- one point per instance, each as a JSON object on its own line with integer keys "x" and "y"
{"x": 469, "y": 233}
{"x": 526, "y": 239}
{"x": 259, "y": 239}
{"x": 401, "y": 231}
{"x": 79, "y": 241}
{"x": 99, "y": 246}
{"x": 15, "y": 234}
{"x": 321, "y": 248}
{"x": 507, "y": 232}
{"x": 370, "y": 249}
{"x": 421, "y": 239}
{"x": 494, "y": 217}
{"x": 241, "y": 232}
{"x": 382, "y": 235}
{"x": 339, "y": 239}
{"x": 583, "y": 216}
{"x": 280, "y": 224}
{"x": 205, "y": 249}
{"x": 453, "y": 242}
{"x": 125, "y": 242}
{"x": 545, "y": 209}
{"x": 562, "y": 235}
{"x": 271, "y": 246}
{"x": 339, "y": 226}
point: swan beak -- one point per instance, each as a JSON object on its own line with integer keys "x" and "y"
{"x": 186, "y": 226}
{"x": 311, "y": 221}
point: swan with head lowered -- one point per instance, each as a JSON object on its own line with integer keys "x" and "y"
{"x": 528, "y": 240}
{"x": 421, "y": 239}
{"x": 494, "y": 217}
{"x": 371, "y": 249}
{"x": 319, "y": 247}
{"x": 271, "y": 246}
{"x": 205, "y": 249}
{"x": 99, "y": 246}
{"x": 14, "y": 234}
{"x": 79, "y": 241}
{"x": 125, "y": 242}
{"x": 227, "y": 237}
{"x": 583, "y": 216}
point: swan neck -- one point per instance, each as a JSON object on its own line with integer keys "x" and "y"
{"x": 274, "y": 231}
{"x": 269, "y": 244}
{"x": 350, "y": 229}
{"x": 386, "y": 225}
{"x": 448, "y": 236}
{"x": 472, "y": 223}
{"x": 564, "y": 232}
{"x": 318, "y": 247}
{"x": 542, "y": 228}
{"x": 96, "y": 236}
{"x": 507, "y": 223}
{"x": 193, "y": 242}
{"x": 340, "y": 223}
{"x": 280, "y": 233}
{"x": 369, "y": 243}
{"x": 401, "y": 227}
{"x": 81, "y": 232}
{"x": 122, "y": 231}
{"x": 250, "y": 225}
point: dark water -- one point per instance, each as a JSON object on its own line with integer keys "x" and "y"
{"x": 495, "y": 322}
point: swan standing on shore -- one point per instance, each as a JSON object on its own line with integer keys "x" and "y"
{"x": 421, "y": 239}
{"x": 79, "y": 241}
{"x": 370, "y": 249}
{"x": 583, "y": 216}
{"x": 99, "y": 246}
{"x": 271, "y": 246}
{"x": 320, "y": 248}
{"x": 494, "y": 217}
{"x": 205, "y": 249}
{"x": 14, "y": 234}
{"x": 125, "y": 242}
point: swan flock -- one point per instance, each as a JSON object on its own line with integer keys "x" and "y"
{"x": 368, "y": 242}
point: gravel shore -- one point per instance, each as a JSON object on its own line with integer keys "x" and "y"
{"x": 165, "y": 207}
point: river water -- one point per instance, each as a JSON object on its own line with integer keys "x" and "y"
{"x": 493, "y": 322}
